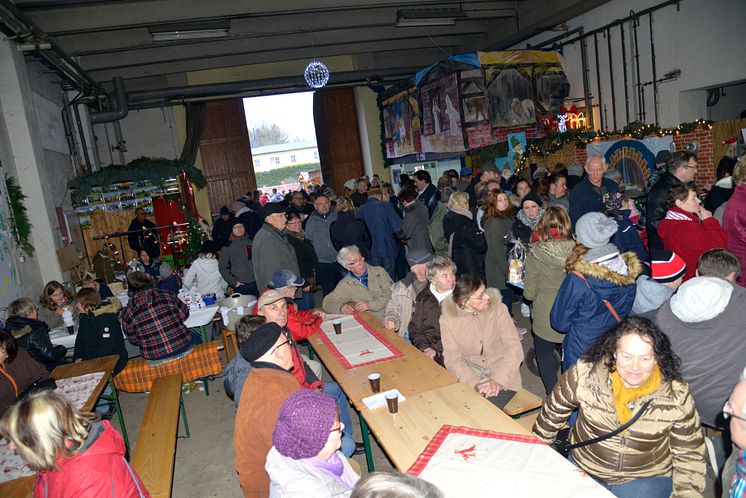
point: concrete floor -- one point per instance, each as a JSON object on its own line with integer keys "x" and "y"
{"x": 204, "y": 462}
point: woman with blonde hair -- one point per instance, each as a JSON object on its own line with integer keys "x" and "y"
{"x": 544, "y": 273}
{"x": 498, "y": 220}
{"x": 348, "y": 230}
{"x": 465, "y": 240}
{"x": 72, "y": 452}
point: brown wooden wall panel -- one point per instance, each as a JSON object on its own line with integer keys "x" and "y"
{"x": 226, "y": 153}
{"x": 337, "y": 136}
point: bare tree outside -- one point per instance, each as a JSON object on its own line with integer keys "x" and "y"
{"x": 268, "y": 134}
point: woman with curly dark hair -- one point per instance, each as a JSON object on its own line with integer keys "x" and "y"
{"x": 630, "y": 369}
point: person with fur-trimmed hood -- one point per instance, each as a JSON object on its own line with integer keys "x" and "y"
{"x": 597, "y": 274}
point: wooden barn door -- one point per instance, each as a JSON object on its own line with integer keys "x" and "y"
{"x": 226, "y": 153}
{"x": 337, "y": 136}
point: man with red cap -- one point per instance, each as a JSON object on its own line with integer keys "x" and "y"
{"x": 667, "y": 271}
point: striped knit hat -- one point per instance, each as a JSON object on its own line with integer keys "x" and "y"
{"x": 666, "y": 266}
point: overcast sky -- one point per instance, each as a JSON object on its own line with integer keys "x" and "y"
{"x": 292, "y": 111}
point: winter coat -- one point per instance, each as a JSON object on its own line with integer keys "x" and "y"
{"x": 317, "y": 231}
{"x": 522, "y": 231}
{"x": 429, "y": 198}
{"x": 24, "y": 371}
{"x": 649, "y": 297}
{"x": 383, "y": 225}
{"x": 221, "y": 230}
{"x": 308, "y": 263}
{"x": 687, "y": 236}
{"x": 486, "y": 341}
{"x": 496, "y": 259}
{"x": 347, "y": 230}
{"x": 235, "y": 262}
{"x": 656, "y": 208}
{"x": 544, "y": 274}
{"x": 578, "y": 310}
{"x": 265, "y": 390}
{"x": 205, "y": 275}
{"x": 250, "y": 221}
{"x": 291, "y": 478}
{"x": 97, "y": 469}
{"x": 358, "y": 199}
{"x": 33, "y": 336}
{"x": 734, "y": 223}
{"x": 468, "y": 247}
{"x": 145, "y": 237}
{"x": 587, "y": 198}
{"x": 424, "y": 327}
{"x": 272, "y": 252}
{"x": 377, "y": 294}
{"x": 627, "y": 239}
{"x": 563, "y": 202}
{"x": 234, "y": 377}
{"x": 435, "y": 230}
{"x": 705, "y": 322}
{"x": 719, "y": 193}
{"x": 665, "y": 441}
{"x": 414, "y": 228}
{"x": 400, "y": 306}
{"x": 100, "y": 334}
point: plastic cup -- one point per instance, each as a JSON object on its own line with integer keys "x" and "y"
{"x": 392, "y": 400}
{"x": 337, "y": 326}
{"x": 375, "y": 382}
{"x": 71, "y": 329}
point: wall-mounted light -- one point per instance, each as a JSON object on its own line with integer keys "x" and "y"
{"x": 411, "y": 17}
{"x": 189, "y": 31}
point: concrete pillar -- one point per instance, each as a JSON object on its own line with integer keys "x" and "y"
{"x": 369, "y": 126}
{"x": 23, "y": 158}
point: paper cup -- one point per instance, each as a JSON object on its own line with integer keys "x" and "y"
{"x": 375, "y": 382}
{"x": 337, "y": 326}
{"x": 392, "y": 400}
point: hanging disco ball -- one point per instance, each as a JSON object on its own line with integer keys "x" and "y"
{"x": 316, "y": 74}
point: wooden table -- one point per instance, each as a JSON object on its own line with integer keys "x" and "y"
{"x": 411, "y": 374}
{"x": 23, "y": 487}
{"x": 405, "y": 436}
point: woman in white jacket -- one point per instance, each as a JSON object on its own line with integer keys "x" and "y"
{"x": 305, "y": 461}
{"x": 204, "y": 272}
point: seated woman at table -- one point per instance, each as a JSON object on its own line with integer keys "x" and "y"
{"x": 306, "y": 459}
{"x": 424, "y": 328}
{"x": 57, "y": 305}
{"x": 154, "y": 321}
{"x": 205, "y": 272}
{"x": 404, "y": 292}
{"x": 390, "y": 484}
{"x": 32, "y": 334}
{"x": 71, "y": 452}
{"x": 18, "y": 371}
{"x": 662, "y": 453}
{"x": 480, "y": 342}
{"x": 99, "y": 332}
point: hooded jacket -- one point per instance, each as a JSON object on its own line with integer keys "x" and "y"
{"x": 17, "y": 376}
{"x": 435, "y": 230}
{"x": 100, "y": 334}
{"x": 687, "y": 236}
{"x": 33, "y": 336}
{"x": 290, "y": 478}
{"x": 626, "y": 238}
{"x": 665, "y": 441}
{"x": 205, "y": 274}
{"x": 705, "y": 322}
{"x": 97, "y": 469}
{"x": 317, "y": 231}
{"x": 734, "y": 223}
{"x": 545, "y": 271}
{"x": 483, "y": 343}
{"x": 272, "y": 252}
{"x": 649, "y": 297}
{"x": 578, "y": 310}
{"x": 468, "y": 246}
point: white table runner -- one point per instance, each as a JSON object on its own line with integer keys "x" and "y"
{"x": 358, "y": 344}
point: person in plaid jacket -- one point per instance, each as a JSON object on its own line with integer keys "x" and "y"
{"x": 154, "y": 321}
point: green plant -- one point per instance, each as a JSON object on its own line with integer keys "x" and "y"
{"x": 195, "y": 237}
{"x": 278, "y": 175}
{"x": 21, "y": 224}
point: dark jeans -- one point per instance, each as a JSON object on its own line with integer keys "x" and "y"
{"x": 306, "y": 301}
{"x": 508, "y": 295}
{"x": 546, "y": 361}
{"x": 649, "y": 487}
{"x": 502, "y": 398}
{"x": 333, "y": 390}
{"x": 247, "y": 289}
{"x": 329, "y": 276}
{"x": 388, "y": 264}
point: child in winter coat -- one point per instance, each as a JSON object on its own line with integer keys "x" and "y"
{"x": 235, "y": 373}
{"x": 667, "y": 271}
{"x": 99, "y": 332}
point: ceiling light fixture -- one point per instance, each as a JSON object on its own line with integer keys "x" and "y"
{"x": 406, "y": 18}
{"x": 316, "y": 73}
{"x": 189, "y": 31}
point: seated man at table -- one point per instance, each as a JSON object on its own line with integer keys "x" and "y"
{"x": 364, "y": 288}
{"x": 273, "y": 306}
{"x": 405, "y": 291}
{"x": 267, "y": 387}
{"x": 154, "y": 321}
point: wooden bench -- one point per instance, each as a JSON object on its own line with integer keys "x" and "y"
{"x": 523, "y": 402}
{"x": 230, "y": 344}
{"x": 155, "y": 448}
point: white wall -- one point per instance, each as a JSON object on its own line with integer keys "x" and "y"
{"x": 705, "y": 39}
{"x": 730, "y": 105}
{"x": 262, "y": 162}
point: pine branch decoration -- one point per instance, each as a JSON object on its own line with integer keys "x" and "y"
{"x": 21, "y": 224}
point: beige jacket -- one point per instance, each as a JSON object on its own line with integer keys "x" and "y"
{"x": 348, "y": 289}
{"x": 401, "y": 305}
{"x": 665, "y": 441}
{"x": 486, "y": 341}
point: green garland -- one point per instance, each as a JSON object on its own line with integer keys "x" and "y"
{"x": 21, "y": 224}
{"x": 144, "y": 168}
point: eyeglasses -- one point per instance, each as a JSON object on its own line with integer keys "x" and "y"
{"x": 728, "y": 413}
{"x": 280, "y": 345}
{"x": 479, "y": 298}
{"x": 355, "y": 261}
{"x": 338, "y": 428}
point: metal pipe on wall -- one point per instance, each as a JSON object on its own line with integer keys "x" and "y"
{"x": 83, "y": 144}
{"x": 611, "y": 77}
{"x": 655, "y": 74}
{"x": 598, "y": 82}
{"x": 586, "y": 82}
{"x": 640, "y": 94}
{"x": 624, "y": 69}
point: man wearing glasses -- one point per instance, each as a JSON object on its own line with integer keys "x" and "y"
{"x": 734, "y": 472}
{"x": 682, "y": 167}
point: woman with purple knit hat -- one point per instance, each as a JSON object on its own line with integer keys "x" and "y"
{"x": 305, "y": 459}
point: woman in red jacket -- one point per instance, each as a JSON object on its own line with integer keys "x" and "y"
{"x": 688, "y": 228}
{"x": 72, "y": 453}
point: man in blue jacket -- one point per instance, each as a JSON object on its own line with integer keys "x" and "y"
{"x": 383, "y": 225}
{"x": 586, "y": 196}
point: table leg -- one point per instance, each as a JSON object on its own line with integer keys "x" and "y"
{"x": 114, "y": 398}
{"x": 202, "y": 331}
{"x": 207, "y": 388}
{"x": 182, "y": 408}
{"x": 311, "y": 353}
{"x": 366, "y": 443}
